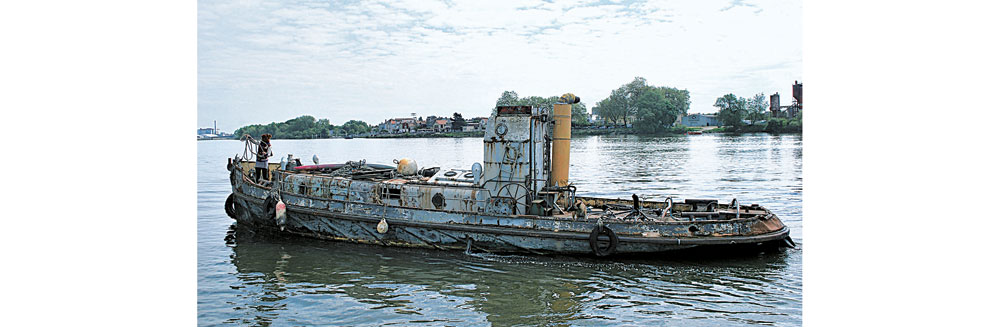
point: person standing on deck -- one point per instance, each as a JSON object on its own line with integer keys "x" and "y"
{"x": 263, "y": 152}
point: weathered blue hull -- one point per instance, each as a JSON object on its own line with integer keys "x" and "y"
{"x": 344, "y": 220}
{"x": 519, "y": 199}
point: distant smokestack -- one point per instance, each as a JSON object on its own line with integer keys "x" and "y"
{"x": 215, "y": 128}
{"x": 797, "y": 92}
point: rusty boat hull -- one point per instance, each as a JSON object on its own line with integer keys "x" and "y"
{"x": 329, "y": 218}
{"x": 518, "y": 199}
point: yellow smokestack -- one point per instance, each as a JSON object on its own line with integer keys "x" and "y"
{"x": 560, "y": 144}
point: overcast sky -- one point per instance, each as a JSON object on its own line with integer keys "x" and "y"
{"x": 265, "y": 61}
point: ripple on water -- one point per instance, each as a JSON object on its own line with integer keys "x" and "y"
{"x": 262, "y": 280}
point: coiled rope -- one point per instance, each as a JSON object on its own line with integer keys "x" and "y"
{"x": 249, "y": 150}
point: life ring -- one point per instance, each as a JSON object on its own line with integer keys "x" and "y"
{"x": 269, "y": 205}
{"x": 612, "y": 238}
{"x": 232, "y": 210}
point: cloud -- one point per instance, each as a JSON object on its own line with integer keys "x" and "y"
{"x": 263, "y": 61}
{"x": 741, "y": 3}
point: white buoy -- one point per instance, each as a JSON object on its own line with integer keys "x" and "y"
{"x": 279, "y": 214}
{"x": 382, "y": 227}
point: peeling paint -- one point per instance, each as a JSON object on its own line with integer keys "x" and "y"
{"x": 449, "y": 210}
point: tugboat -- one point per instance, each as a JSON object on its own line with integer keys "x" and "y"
{"x": 519, "y": 200}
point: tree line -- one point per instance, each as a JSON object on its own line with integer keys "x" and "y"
{"x": 651, "y": 109}
{"x": 510, "y": 98}
{"x": 303, "y": 127}
{"x": 739, "y": 114}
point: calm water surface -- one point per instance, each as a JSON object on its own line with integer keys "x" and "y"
{"x": 274, "y": 280}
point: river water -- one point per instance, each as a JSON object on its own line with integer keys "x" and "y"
{"x": 275, "y": 280}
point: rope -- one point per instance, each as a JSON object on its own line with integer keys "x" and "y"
{"x": 249, "y": 149}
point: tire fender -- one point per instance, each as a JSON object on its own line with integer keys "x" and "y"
{"x": 612, "y": 238}
{"x": 232, "y": 209}
{"x": 270, "y": 205}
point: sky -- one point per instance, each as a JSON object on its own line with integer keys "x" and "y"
{"x": 270, "y": 61}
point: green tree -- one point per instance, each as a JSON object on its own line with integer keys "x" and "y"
{"x": 633, "y": 91}
{"x": 508, "y": 98}
{"x": 658, "y": 107}
{"x": 757, "y": 108}
{"x": 356, "y": 127}
{"x": 579, "y": 114}
{"x": 680, "y": 100}
{"x": 623, "y": 101}
{"x": 457, "y": 122}
{"x": 650, "y": 106}
{"x": 538, "y": 102}
{"x": 732, "y": 110}
{"x": 295, "y": 128}
{"x": 614, "y": 107}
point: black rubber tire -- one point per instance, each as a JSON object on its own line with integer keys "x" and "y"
{"x": 231, "y": 208}
{"x": 612, "y": 238}
{"x": 269, "y": 205}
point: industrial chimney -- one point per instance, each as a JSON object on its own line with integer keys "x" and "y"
{"x": 797, "y": 92}
{"x": 560, "y": 143}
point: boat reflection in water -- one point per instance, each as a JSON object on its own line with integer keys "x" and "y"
{"x": 289, "y": 280}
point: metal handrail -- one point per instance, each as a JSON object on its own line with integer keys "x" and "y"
{"x": 669, "y": 210}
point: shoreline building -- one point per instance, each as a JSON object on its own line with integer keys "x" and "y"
{"x": 442, "y": 125}
{"x": 700, "y": 120}
{"x": 399, "y": 125}
{"x": 212, "y": 132}
{"x": 478, "y": 123}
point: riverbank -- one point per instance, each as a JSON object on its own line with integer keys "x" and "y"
{"x": 589, "y": 132}
{"x": 575, "y": 132}
{"x": 785, "y": 129}
{"x": 428, "y": 135}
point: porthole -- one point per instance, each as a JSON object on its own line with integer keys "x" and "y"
{"x": 501, "y": 129}
{"x": 438, "y": 200}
